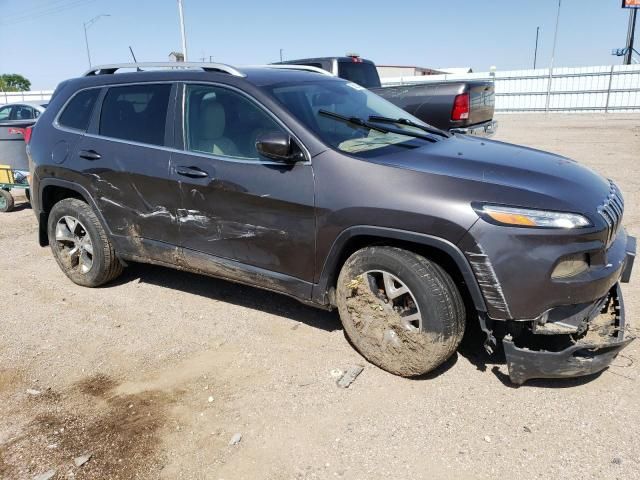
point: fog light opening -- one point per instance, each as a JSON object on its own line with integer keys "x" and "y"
{"x": 571, "y": 266}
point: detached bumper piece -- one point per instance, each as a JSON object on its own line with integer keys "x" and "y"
{"x": 604, "y": 339}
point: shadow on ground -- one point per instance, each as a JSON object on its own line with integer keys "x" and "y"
{"x": 215, "y": 289}
{"x": 234, "y": 293}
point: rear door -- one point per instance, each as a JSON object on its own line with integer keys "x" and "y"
{"x": 125, "y": 159}
{"x": 237, "y": 205}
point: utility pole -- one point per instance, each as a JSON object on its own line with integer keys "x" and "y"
{"x": 86, "y": 25}
{"x": 182, "y": 32}
{"x": 535, "y": 53}
{"x": 628, "y": 56}
{"x": 553, "y": 55}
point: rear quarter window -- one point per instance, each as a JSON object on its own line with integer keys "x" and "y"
{"x": 137, "y": 113}
{"x": 77, "y": 113}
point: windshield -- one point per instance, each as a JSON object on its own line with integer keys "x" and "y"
{"x": 308, "y": 100}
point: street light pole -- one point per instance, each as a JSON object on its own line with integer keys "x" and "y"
{"x": 628, "y": 56}
{"x": 86, "y": 25}
{"x": 182, "y": 31}
{"x": 553, "y": 55}
{"x": 535, "y": 53}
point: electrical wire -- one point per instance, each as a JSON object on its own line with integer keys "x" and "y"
{"x": 43, "y": 12}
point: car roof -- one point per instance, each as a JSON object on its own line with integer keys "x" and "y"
{"x": 255, "y": 75}
{"x": 39, "y": 104}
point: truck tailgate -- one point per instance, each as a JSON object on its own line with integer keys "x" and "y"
{"x": 482, "y": 99}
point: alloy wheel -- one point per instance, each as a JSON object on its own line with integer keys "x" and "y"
{"x": 74, "y": 243}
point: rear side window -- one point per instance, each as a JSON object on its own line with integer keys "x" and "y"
{"x": 77, "y": 113}
{"x": 137, "y": 113}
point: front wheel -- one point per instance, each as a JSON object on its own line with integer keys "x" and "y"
{"x": 80, "y": 244}
{"x": 401, "y": 311}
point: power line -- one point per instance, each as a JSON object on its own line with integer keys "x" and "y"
{"x": 45, "y": 12}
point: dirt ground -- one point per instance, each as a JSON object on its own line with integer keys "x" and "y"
{"x": 154, "y": 374}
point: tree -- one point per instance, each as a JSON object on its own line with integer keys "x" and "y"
{"x": 12, "y": 82}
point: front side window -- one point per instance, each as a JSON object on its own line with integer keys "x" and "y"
{"x": 77, "y": 113}
{"x": 137, "y": 113}
{"x": 222, "y": 122}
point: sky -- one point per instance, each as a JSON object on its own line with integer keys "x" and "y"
{"x": 44, "y": 39}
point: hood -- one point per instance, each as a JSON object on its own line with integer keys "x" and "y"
{"x": 500, "y": 172}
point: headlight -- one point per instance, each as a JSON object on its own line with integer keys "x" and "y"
{"x": 524, "y": 217}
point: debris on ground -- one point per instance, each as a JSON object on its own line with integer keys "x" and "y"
{"x": 81, "y": 460}
{"x": 336, "y": 373}
{"x": 487, "y": 439}
{"x": 33, "y": 392}
{"x": 617, "y": 461}
{"x": 527, "y": 429}
{"x": 350, "y": 375}
{"x": 210, "y": 399}
{"x": 48, "y": 475}
{"x": 235, "y": 440}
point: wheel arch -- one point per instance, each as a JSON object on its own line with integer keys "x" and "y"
{"x": 53, "y": 190}
{"x": 443, "y": 252}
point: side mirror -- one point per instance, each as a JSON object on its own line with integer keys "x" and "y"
{"x": 279, "y": 146}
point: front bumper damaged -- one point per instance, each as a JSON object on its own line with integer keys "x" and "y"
{"x": 588, "y": 355}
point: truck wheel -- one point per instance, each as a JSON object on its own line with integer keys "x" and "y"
{"x": 80, "y": 245}
{"x": 401, "y": 311}
{"x": 6, "y": 201}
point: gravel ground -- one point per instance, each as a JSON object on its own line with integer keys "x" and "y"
{"x": 154, "y": 374}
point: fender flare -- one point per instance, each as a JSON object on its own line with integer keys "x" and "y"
{"x": 56, "y": 182}
{"x": 320, "y": 290}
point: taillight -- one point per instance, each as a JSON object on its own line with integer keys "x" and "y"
{"x": 460, "y": 107}
{"x": 27, "y": 134}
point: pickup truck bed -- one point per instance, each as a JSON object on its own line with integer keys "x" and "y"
{"x": 432, "y": 102}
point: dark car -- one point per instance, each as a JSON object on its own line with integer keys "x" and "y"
{"x": 463, "y": 106}
{"x": 14, "y": 119}
{"x": 314, "y": 187}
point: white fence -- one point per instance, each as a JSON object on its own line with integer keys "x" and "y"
{"x": 10, "y": 97}
{"x": 584, "y": 89}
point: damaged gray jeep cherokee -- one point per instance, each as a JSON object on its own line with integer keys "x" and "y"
{"x": 305, "y": 184}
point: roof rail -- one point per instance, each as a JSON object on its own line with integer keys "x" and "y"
{"x": 307, "y": 68}
{"x": 207, "y": 67}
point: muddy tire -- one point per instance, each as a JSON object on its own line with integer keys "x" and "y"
{"x": 6, "y": 201}
{"x": 401, "y": 311}
{"x": 80, "y": 244}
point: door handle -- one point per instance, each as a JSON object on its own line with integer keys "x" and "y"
{"x": 192, "y": 172}
{"x": 89, "y": 155}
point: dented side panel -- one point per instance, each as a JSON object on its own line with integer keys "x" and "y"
{"x": 132, "y": 186}
{"x": 257, "y": 214}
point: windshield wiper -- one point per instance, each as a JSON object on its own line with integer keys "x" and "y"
{"x": 409, "y": 123}
{"x": 363, "y": 123}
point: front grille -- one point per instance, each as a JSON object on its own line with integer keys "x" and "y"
{"x": 611, "y": 210}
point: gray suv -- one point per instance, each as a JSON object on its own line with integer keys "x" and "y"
{"x": 305, "y": 184}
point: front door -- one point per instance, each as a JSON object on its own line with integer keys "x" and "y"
{"x": 126, "y": 163}
{"x": 237, "y": 205}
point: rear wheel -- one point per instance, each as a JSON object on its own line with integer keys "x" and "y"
{"x": 80, "y": 245}
{"x": 401, "y": 311}
{"x": 6, "y": 201}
